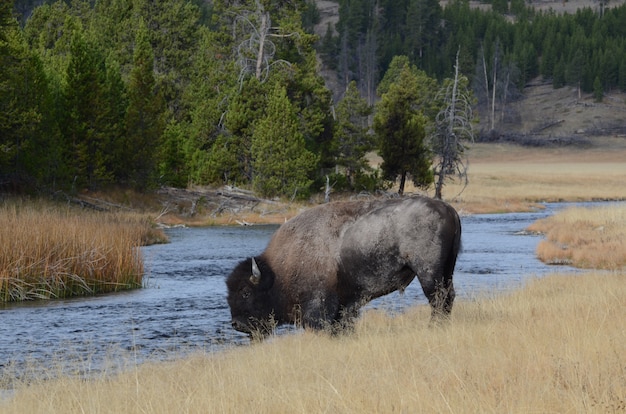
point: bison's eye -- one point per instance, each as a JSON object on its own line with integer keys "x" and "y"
{"x": 245, "y": 294}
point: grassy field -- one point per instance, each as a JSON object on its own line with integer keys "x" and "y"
{"x": 506, "y": 177}
{"x": 556, "y": 346}
{"x": 53, "y": 251}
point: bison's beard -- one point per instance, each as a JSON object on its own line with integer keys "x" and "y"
{"x": 257, "y": 329}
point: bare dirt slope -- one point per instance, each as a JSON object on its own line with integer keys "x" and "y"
{"x": 565, "y": 117}
{"x": 570, "y": 6}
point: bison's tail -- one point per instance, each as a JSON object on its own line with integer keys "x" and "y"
{"x": 454, "y": 250}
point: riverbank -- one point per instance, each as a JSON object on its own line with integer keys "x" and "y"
{"x": 555, "y": 345}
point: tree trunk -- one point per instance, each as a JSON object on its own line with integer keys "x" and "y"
{"x": 438, "y": 187}
{"x": 486, "y": 79}
{"x": 493, "y": 98}
{"x": 402, "y": 182}
{"x": 504, "y": 95}
{"x": 262, "y": 33}
{"x": 327, "y": 190}
{"x": 449, "y": 147}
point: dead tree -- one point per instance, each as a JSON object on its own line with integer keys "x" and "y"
{"x": 255, "y": 53}
{"x": 453, "y": 127}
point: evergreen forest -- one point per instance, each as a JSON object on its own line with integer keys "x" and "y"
{"x": 144, "y": 93}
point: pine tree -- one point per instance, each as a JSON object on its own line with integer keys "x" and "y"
{"x": 598, "y": 91}
{"x": 212, "y": 82}
{"x": 400, "y": 125}
{"x": 548, "y": 59}
{"x": 351, "y": 139}
{"x": 422, "y": 25}
{"x": 281, "y": 162}
{"x": 87, "y": 144}
{"x": 172, "y": 167}
{"x": 28, "y": 130}
{"x": 426, "y": 86}
{"x": 222, "y": 163}
{"x": 622, "y": 74}
{"x": 329, "y": 48}
{"x": 574, "y": 70}
{"x": 144, "y": 119}
{"x": 173, "y": 33}
{"x": 558, "y": 74}
{"x": 113, "y": 117}
{"x": 243, "y": 110}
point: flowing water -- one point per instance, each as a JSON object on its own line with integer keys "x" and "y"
{"x": 183, "y": 307}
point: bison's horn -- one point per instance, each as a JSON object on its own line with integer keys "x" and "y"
{"x": 256, "y": 273}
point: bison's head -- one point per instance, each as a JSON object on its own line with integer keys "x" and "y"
{"x": 249, "y": 297}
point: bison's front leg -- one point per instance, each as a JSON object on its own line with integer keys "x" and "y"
{"x": 320, "y": 311}
{"x": 347, "y": 319}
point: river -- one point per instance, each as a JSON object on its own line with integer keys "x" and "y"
{"x": 183, "y": 307}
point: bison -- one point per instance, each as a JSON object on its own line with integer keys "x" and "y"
{"x": 321, "y": 266}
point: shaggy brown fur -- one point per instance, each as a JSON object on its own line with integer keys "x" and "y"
{"x": 324, "y": 264}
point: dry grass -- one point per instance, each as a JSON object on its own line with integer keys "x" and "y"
{"x": 51, "y": 251}
{"x": 556, "y": 346}
{"x": 507, "y": 186}
{"x": 584, "y": 237}
{"x": 504, "y": 178}
{"x": 507, "y": 178}
{"x": 263, "y": 213}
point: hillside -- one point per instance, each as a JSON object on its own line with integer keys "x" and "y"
{"x": 544, "y": 115}
{"x": 561, "y": 117}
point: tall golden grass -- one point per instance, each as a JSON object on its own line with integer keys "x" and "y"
{"x": 504, "y": 178}
{"x": 506, "y": 185}
{"x": 584, "y": 237}
{"x": 555, "y": 346}
{"x": 52, "y": 251}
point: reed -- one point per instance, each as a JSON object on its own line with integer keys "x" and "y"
{"x": 556, "y": 345}
{"x": 52, "y": 251}
{"x": 584, "y": 237}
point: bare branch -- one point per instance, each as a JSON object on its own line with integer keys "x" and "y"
{"x": 255, "y": 54}
{"x": 453, "y": 126}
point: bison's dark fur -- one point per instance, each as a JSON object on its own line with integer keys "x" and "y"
{"x": 322, "y": 265}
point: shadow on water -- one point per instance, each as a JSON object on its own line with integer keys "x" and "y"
{"x": 183, "y": 307}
